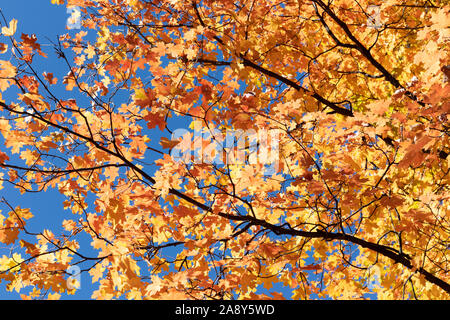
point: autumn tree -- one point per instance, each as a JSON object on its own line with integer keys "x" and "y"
{"x": 354, "y": 203}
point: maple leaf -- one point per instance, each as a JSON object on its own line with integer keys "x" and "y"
{"x": 69, "y": 225}
{"x": 54, "y": 296}
{"x": 70, "y": 81}
{"x": 29, "y": 43}
{"x": 356, "y": 173}
{"x": 167, "y": 143}
{"x": 7, "y": 72}
{"x": 3, "y": 47}
{"x": 31, "y": 249}
{"x": 414, "y": 153}
{"x": 112, "y": 173}
{"x": 3, "y": 157}
{"x": 11, "y": 29}
{"x": 50, "y": 78}
{"x": 23, "y": 213}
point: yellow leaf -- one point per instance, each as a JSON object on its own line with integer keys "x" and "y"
{"x": 54, "y": 296}
{"x": 24, "y": 213}
{"x": 9, "y": 31}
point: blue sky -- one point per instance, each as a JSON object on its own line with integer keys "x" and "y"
{"x": 47, "y": 21}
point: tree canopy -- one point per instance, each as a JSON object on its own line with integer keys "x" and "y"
{"x": 150, "y": 137}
